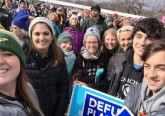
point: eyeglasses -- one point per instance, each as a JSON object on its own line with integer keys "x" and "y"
{"x": 90, "y": 42}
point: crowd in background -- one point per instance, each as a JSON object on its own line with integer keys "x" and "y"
{"x": 62, "y": 46}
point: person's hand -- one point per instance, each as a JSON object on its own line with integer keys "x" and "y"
{"x": 79, "y": 83}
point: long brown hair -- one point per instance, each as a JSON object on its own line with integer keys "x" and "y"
{"x": 56, "y": 51}
{"x": 23, "y": 89}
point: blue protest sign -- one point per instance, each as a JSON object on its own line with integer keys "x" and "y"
{"x": 89, "y": 102}
{"x": 97, "y": 106}
{"x": 125, "y": 112}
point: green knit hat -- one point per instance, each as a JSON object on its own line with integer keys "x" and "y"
{"x": 10, "y": 42}
{"x": 64, "y": 37}
{"x": 1, "y": 1}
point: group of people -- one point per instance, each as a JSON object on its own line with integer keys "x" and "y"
{"x": 40, "y": 63}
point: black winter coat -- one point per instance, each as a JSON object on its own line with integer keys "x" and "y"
{"x": 85, "y": 70}
{"x": 5, "y": 18}
{"x": 51, "y": 83}
{"x": 89, "y": 22}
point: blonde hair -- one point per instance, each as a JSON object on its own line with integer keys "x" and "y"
{"x": 114, "y": 33}
{"x": 25, "y": 32}
{"x": 111, "y": 31}
{"x": 124, "y": 28}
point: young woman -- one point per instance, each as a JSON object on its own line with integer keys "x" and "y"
{"x": 76, "y": 32}
{"x": 88, "y": 66}
{"x": 147, "y": 99}
{"x": 124, "y": 38}
{"x": 110, "y": 42}
{"x": 17, "y": 96}
{"x": 46, "y": 67}
{"x": 65, "y": 42}
{"x": 110, "y": 46}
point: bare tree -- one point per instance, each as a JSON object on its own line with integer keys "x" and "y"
{"x": 133, "y": 6}
{"x": 148, "y": 8}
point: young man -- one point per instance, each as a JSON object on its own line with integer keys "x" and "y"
{"x": 95, "y": 19}
{"x": 126, "y": 69}
{"x": 147, "y": 99}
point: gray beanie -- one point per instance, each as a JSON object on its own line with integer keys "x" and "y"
{"x": 92, "y": 31}
{"x": 41, "y": 20}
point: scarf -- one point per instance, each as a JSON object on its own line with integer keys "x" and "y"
{"x": 69, "y": 57}
{"x": 87, "y": 55}
{"x": 57, "y": 28}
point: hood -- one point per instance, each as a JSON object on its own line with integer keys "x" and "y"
{"x": 153, "y": 103}
{"x": 129, "y": 56}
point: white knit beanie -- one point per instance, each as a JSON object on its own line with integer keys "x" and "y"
{"x": 124, "y": 28}
{"x": 39, "y": 20}
{"x": 73, "y": 16}
{"x": 92, "y": 31}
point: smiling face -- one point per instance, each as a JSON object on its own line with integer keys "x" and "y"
{"x": 9, "y": 70}
{"x": 110, "y": 41}
{"x": 41, "y": 37}
{"x": 154, "y": 71}
{"x": 91, "y": 44}
{"x": 66, "y": 46}
{"x": 140, "y": 41}
{"x": 125, "y": 39}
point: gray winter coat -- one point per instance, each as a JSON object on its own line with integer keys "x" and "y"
{"x": 137, "y": 100}
{"x": 10, "y": 107}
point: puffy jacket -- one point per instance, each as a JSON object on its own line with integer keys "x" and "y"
{"x": 51, "y": 83}
{"x": 138, "y": 99}
{"x": 78, "y": 39}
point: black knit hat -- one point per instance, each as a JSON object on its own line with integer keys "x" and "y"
{"x": 10, "y": 42}
{"x": 96, "y": 7}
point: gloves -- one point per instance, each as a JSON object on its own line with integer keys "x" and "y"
{"x": 99, "y": 72}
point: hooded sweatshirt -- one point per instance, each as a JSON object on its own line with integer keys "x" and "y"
{"x": 155, "y": 104}
{"x": 10, "y": 106}
{"x": 140, "y": 99}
